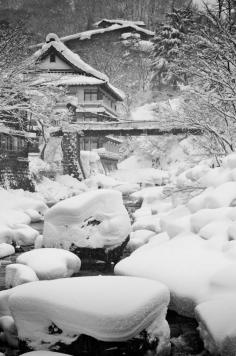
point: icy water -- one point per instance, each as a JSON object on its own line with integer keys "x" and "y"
{"x": 185, "y": 340}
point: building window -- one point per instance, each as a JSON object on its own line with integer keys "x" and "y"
{"x": 90, "y": 95}
{"x": 9, "y": 143}
{"x": 52, "y": 58}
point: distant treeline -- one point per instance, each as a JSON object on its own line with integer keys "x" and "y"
{"x": 70, "y": 16}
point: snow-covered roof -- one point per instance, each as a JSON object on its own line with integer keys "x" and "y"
{"x": 58, "y": 79}
{"x": 119, "y": 22}
{"x": 129, "y": 26}
{"x": 115, "y": 139}
{"x": 52, "y": 41}
{"x": 88, "y": 34}
{"x": 87, "y": 75}
{"x": 69, "y": 79}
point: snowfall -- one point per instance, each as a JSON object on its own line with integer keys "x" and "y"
{"x": 181, "y": 256}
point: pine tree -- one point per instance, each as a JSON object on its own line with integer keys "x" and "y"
{"x": 168, "y": 39}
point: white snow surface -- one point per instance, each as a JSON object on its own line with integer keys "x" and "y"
{"x": 6, "y": 250}
{"x": 217, "y": 325}
{"x": 93, "y": 219}
{"x": 50, "y": 263}
{"x": 43, "y": 353}
{"x": 63, "y": 187}
{"x": 8, "y": 331}
{"x": 93, "y": 306}
{"x": 17, "y": 274}
{"x": 186, "y": 264}
{"x": 195, "y": 252}
{"x": 144, "y": 177}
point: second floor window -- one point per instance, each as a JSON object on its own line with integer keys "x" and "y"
{"x": 90, "y": 95}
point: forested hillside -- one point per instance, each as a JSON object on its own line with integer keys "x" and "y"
{"x": 69, "y": 16}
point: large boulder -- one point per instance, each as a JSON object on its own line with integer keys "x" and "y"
{"x": 108, "y": 308}
{"x": 95, "y": 219}
{"x": 50, "y": 263}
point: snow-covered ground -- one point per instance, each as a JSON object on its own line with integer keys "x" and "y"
{"x": 194, "y": 251}
{"x": 186, "y": 244}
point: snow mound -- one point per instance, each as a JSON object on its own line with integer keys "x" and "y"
{"x": 50, "y": 263}
{"x": 93, "y": 219}
{"x": 185, "y": 264}
{"x": 90, "y": 305}
{"x": 6, "y": 250}
{"x": 62, "y": 188}
{"x": 17, "y": 274}
{"x": 9, "y": 332}
{"x": 43, "y": 353}
{"x": 20, "y": 202}
{"x": 24, "y": 235}
{"x": 144, "y": 177}
{"x": 217, "y": 325}
{"x": 139, "y": 238}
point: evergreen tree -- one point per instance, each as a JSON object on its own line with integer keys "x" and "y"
{"x": 168, "y": 39}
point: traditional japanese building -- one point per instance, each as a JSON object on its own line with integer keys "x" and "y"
{"x": 89, "y": 97}
{"x": 117, "y": 47}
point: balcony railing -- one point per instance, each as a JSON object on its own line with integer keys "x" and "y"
{"x": 96, "y": 105}
{"x": 93, "y": 106}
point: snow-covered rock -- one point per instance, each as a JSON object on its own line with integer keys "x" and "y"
{"x": 139, "y": 238}
{"x": 185, "y": 264}
{"x": 9, "y": 331}
{"x": 18, "y": 201}
{"x": 93, "y": 306}
{"x": 215, "y": 177}
{"x": 229, "y": 161}
{"x": 6, "y": 250}
{"x": 93, "y": 219}
{"x": 34, "y": 215}
{"x": 205, "y": 216}
{"x": 4, "y": 305}
{"x": 50, "y": 263}
{"x": 198, "y": 202}
{"x": 217, "y": 325}
{"x": 6, "y": 234}
{"x": 223, "y": 195}
{"x": 215, "y": 228}
{"x": 149, "y": 222}
{"x": 17, "y": 274}
{"x": 178, "y": 226}
{"x": 173, "y": 215}
{"x": 25, "y": 235}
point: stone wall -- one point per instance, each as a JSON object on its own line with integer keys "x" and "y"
{"x": 14, "y": 174}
